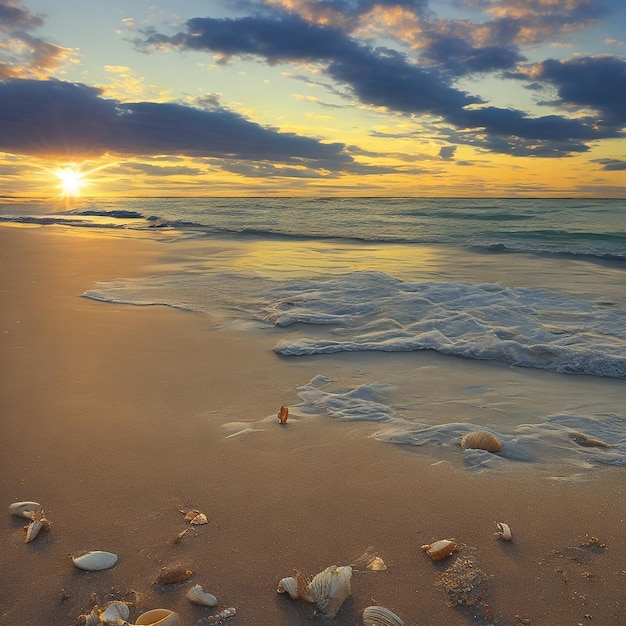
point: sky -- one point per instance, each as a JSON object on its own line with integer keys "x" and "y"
{"x": 465, "y": 98}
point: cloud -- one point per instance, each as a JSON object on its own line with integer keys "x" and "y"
{"x": 386, "y": 78}
{"x": 54, "y": 118}
{"x": 596, "y": 82}
{"x": 22, "y": 55}
{"x": 611, "y": 165}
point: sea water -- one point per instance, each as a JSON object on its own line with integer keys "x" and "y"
{"x": 523, "y": 300}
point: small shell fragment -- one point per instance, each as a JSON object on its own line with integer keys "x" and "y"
{"x": 481, "y": 440}
{"x": 503, "y": 532}
{"x": 197, "y": 595}
{"x": 24, "y": 509}
{"x": 114, "y": 613}
{"x": 283, "y": 414}
{"x": 199, "y": 519}
{"x": 440, "y": 549}
{"x": 380, "y": 616}
{"x": 95, "y": 560}
{"x": 32, "y": 530}
{"x": 172, "y": 574}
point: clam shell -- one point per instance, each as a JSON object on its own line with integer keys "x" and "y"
{"x": 330, "y": 588}
{"x": 95, "y": 560}
{"x": 481, "y": 440}
{"x": 380, "y": 616}
{"x": 115, "y": 612}
{"x": 24, "y": 509}
{"x": 171, "y": 574}
{"x": 289, "y": 585}
{"x": 199, "y": 596}
{"x": 440, "y": 549}
{"x": 162, "y": 617}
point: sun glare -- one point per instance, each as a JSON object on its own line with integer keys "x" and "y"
{"x": 71, "y": 181}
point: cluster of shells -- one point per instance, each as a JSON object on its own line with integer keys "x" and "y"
{"x": 117, "y": 612}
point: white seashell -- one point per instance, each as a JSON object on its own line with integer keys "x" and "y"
{"x": 162, "y": 617}
{"x": 32, "y": 530}
{"x": 503, "y": 532}
{"x": 380, "y": 616}
{"x": 95, "y": 560}
{"x": 199, "y": 596}
{"x": 290, "y": 586}
{"x": 115, "y": 612}
{"x": 330, "y": 588}
{"x": 24, "y": 509}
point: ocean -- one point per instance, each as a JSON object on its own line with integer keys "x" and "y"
{"x": 432, "y": 317}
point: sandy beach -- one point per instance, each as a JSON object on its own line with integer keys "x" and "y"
{"x": 115, "y": 417}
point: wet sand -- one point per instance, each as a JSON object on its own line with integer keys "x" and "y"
{"x": 114, "y": 417}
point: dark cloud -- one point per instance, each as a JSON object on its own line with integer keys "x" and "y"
{"x": 611, "y": 165}
{"x": 54, "y": 118}
{"x": 386, "y": 78}
{"x": 592, "y": 82}
{"x": 15, "y": 16}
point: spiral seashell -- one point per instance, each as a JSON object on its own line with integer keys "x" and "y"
{"x": 197, "y": 595}
{"x": 24, "y": 509}
{"x": 114, "y": 613}
{"x": 440, "y": 549}
{"x": 380, "y": 616}
{"x": 172, "y": 574}
{"x": 330, "y": 588}
{"x": 289, "y": 585}
{"x": 481, "y": 440}
{"x": 95, "y": 560}
{"x": 160, "y": 617}
{"x": 503, "y": 532}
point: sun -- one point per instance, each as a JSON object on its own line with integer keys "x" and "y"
{"x": 71, "y": 181}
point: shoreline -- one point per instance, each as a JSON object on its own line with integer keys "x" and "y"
{"x": 114, "y": 417}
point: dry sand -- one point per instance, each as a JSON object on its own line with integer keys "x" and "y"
{"x": 113, "y": 418}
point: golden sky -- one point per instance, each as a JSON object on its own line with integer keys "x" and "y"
{"x": 313, "y": 97}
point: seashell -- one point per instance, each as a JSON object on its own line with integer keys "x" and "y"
{"x": 330, "y": 588}
{"x": 380, "y": 616}
{"x": 189, "y": 515}
{"x": 503, "y": 532}
{"x": 24, "y": 509}
{"x": 172, "y": 574}
{"x": 377, "y": 565}
{"x": 32, "y": 530}
{"x": 283, "y": 414}
{"x": 115, "y": 612}
{"x": 199, "y": 519}
{"x": 91, "y": 619}
{"x": 162, "y": 617}
{"x": 95, "y": 560}
{"x": 481, "y": 440}
{"x": 199, "y": 596}
{"x": 289, "y": 585}
{"x": 440, "y": 549}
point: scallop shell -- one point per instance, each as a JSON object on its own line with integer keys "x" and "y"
{"x": 440, "y": 549}
{"x": 289, "y": 585}
{"x": 330, "y": 588}
{"x": 481, "y": 440}
{"x": 95, "y": 560}
{"x": 162, "y": 617}
{"x": 503, "y": 532}
{"x": 24, "y": 509}
{"x": 115, "y": 612}
{"x": 172, "y": 574}
{"x": 199, "y": 596}
{"x": 380, "y": 616}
